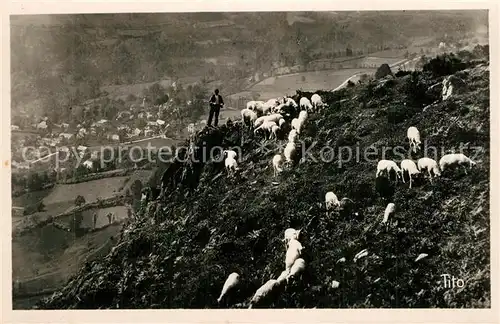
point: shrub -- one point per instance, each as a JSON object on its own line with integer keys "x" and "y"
{"x": 445, "y": 64}
{"x": 131, "y": 98}
{"x": 383, "y": 71}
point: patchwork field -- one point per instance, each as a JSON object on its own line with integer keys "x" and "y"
{"x": 90, "y": 190}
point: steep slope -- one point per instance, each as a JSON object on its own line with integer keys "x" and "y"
{"x": 180, "y": 252}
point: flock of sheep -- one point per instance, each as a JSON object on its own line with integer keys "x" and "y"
{"x": 267, "y": 117}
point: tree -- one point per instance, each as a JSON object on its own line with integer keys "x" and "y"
{"x": 383, "y": 71}
{"x": 79, "y": 201}
{"x": 136, "y": 189}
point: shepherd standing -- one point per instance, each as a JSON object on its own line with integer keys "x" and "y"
{"x": 216, "y": 103}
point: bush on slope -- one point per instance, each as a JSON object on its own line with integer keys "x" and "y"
{"x": 180, "y": 253}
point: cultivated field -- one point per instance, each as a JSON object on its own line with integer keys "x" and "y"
{"x": 90, "y": 190}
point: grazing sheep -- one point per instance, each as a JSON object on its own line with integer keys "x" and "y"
{"x": 455, "y": 159}
{"x": 277, "y": 161}
{"x": 273, "y": 118}
{"x": 317, "y": 102}
{"x": 331, "y": 201}
{"x": 254, "y": 105}
{"x": 297, "y": 124}
{"x": 266, "y": 127}
{"x": 263, "y": 292}
{"x": 298, "y": 267}
{"x": 303, "y": 115}
{"x": 428, "y": 165}
{"x": 390, "y": 210}
{"x": 292, "y": 136}
{"x": 414, "y": 137}
{"x": 388, "y": 166}
{"x": 272, "y": 102}
{"x": 282, "y": 277}
{"x": 231, "y": 165}
{"x": 292, "y": 253}
{"x": 248, "y": 116}
{"x": 305, "y": 103}
{"x": 291, "y": 234}
{"x": 290, "y": 102}
{"x": 231, "y": 281}
{"x": 410, "y": 167}
{"x": 274, "y": 131}
{"x": 289, "y": 151}
{"x": 230, "y": 154}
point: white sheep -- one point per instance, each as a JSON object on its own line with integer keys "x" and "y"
{"x": 263, "y": 292}
{"x": 414, "y": 137}
{"x": 331, "y": 201}
{"x": 230, "y": 154}
{"x": 292, "y": 253}
{"x": 281, "y": 122}
{"x": 428, "y": 164}
{"x": 388, "y": 166}
{"x": 297, "y": 124}
{"x": 282, "y": 277}
{"x": 231, "y": 281}
{"x": 303, "y": 115}
{"x": 317, "y": 102}
{"x": 290, "y": 102}
{"x": 455, "y": 159}
{"x": 268, "y": 106}
{"x": 266, "y": 127}
{"x": 305, "y": 103}
{"x": 272, "y": 102}
{"x": 231, "y": 165}
{"x": 410, "y": 167}
{"x": 390, "y": 210}
{"x": 277, "y": 161}
{"x": 297, "y": 268}
{"x": 289, "y": 151}
{"x": 254, "y": 104}
{"x": 292, "y": 136}
{"x": 274, "y": 131}
{"x": 291, "y": 234}
{"x": 274, "y": 118}
{"x": 248, "y": 116}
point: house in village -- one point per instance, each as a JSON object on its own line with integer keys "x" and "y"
{"x": 14, "y": 127}
{"x": 148, "y": 131}
{"x": 150, "y": 116}
{"x": 66, "y": 136}
{"x": 136, "y": 132}
{"x": 114, "y": 137}
{"x": 82, "y": 132}
{"x": 42, "y": 125}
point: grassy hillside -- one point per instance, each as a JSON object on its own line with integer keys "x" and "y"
{"x": 186, "y": 244}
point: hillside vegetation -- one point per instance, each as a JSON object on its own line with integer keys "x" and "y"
{"x": 179, "y": 253}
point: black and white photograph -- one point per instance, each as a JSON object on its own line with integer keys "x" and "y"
{"x": 250, "y": 160}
